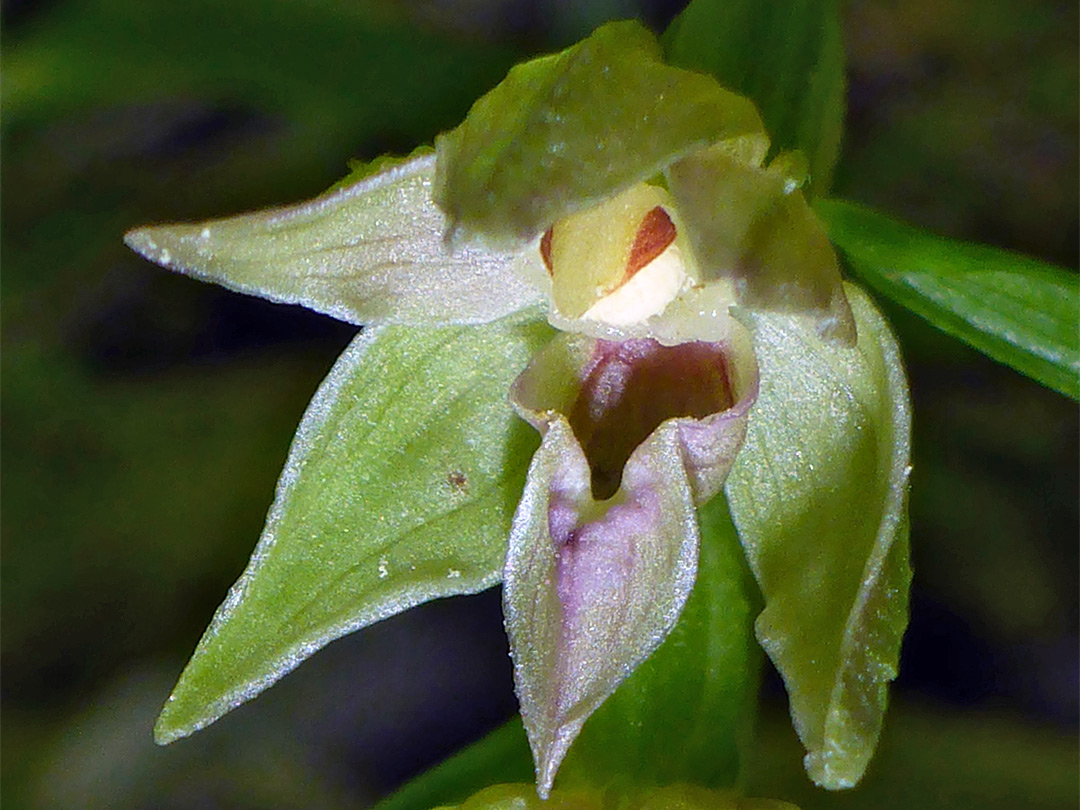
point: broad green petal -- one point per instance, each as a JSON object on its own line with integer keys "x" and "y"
{"x": 685, "y": 714}
{"x": 568, "y": 130}
{"x": 370, "y": 252}
{"x": 818, "y": 494}
{"x": 399, "y": 488}
{"x": 787, "y": 56}
{"x": 1017, "y": 310}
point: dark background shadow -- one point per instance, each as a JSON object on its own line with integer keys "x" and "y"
{"x": 145, "y": 416}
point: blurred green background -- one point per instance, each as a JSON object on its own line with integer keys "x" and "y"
{"x": 145, "y": 416}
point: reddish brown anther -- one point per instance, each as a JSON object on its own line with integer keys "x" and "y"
{"x": 654, "y": 234}
{"x": 545, "y": 251}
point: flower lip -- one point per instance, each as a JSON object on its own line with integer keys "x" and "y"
{"x": 614, "y": 394}
{"x": 630, "y": 387}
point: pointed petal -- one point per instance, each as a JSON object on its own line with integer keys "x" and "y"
{"x": 589, "y": 598}
{"x": 751, "y": 225}
{"x": 819, "y": 495}
{"x": 371, "y": 252}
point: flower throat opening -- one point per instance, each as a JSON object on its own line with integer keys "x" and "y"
{"x": 630, "y": 387}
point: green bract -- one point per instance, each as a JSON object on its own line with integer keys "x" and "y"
{"x": 696, "y": 303}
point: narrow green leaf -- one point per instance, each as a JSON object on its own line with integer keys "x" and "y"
{"x": 818, "y": 494}
{"x": 685, "y": 713}
{"x": 564, "y": 131}
{"x": 399, "y": 488}
{"x": 787, "y": 56}
{"x": 368, "y": 252}
{"x": 1019, "y": 311}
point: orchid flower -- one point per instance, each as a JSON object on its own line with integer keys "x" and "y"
{"x": 621, "y": 221}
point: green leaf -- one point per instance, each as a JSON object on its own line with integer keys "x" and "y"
{"x": 669, "y": 797}
{"x": 787, "y": 56}
{"x": 818, "y": 494}
{"x": 565, "y": 131}
{"x": 1017, "y": 310}
{"x": 685, "y": 713}
{"x": 399, "y": 488}
{"x": 369, "y": 252}
{"x": 501, "y": 756}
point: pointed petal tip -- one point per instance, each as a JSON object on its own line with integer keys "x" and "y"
{"x": 164, "y": 732}
{"x": 140, "y": 240}
{"x": 156, "y": 243}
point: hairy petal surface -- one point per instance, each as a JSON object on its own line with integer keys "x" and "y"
{"x": 399, "y": 487}
{"x": 565, "y": 131}
{"x": 603, "y": 549}
{"x": 370, "y": 252}
{"x": 818, "y": 493}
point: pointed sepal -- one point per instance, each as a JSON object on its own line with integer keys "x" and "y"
{"x": 370, "y": 252}
{"x": 399, "y": 487}
{"x": 819, "y": 495}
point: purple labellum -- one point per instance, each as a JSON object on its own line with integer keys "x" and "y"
{"x": 603, "y": 549}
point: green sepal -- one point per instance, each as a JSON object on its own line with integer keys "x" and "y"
{"x": 564, "y": 131}
{"x": 399, "y": 488}
{"x": 370, "y": 252}
{"x": 819, "y": 496}
{"x": 787, "y": 56}
{"x": 1017, "y": 310}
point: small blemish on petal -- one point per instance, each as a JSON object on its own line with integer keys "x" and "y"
{"x": 458, "y": 481}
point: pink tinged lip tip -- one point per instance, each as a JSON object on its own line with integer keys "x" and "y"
{"x": 603, "y": 549}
